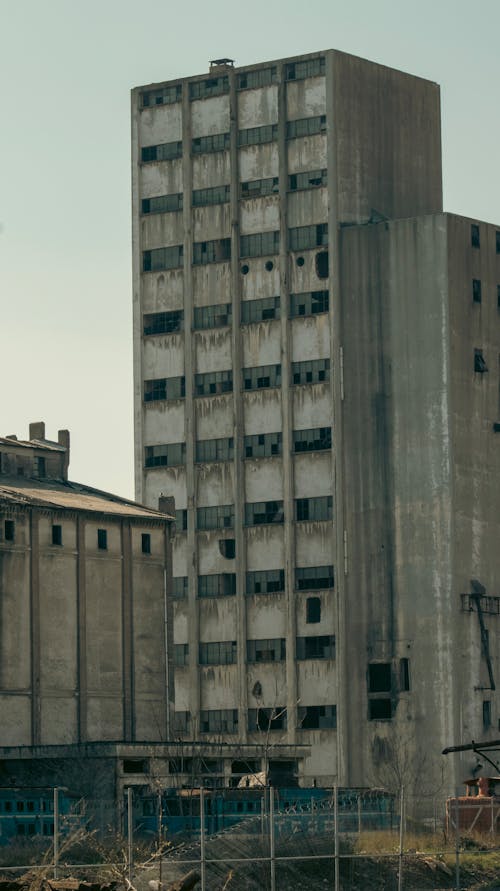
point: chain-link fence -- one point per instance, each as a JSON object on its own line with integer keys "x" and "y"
{"x": 264, "y": 839}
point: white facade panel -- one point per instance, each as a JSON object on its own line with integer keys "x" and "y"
{"x": 209, "y": 116}
{"x": 314, "y": 544}
{"x": 261, "y": 344}
{"x": 312, "y": 406}
{"x": 160, "y": 178}
{"x": 311, "y": 337}
{"x": 160, "y": 123}
{"x": 265, "y": 546}
{"x": 257, "y": 108}
{"x": 306, "y": 98}
{"x": 163, "y": 356}
{"x": 215, "y": 484}
{"x": 162, "y": 291}
{"x": 214, "y": 417}
{"x": 211, "y": 222}
{"x": 212, "y": 284}
{"x": 264, "y": 479}
{"x": 262, "y": 410}
{"x": 313, "y": 474}
{"x": 259, "y": 215}
{"x": 258, "y": 161}
{"x": 266, "y": 616}
{"x": 213, "y": 350}
{"x": 307, "y": 153}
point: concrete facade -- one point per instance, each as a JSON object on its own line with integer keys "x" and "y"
{"x": 242, "y": 180}
{"x": 84, "y": 627}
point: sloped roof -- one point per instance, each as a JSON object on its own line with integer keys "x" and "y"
{"x": 71, "y": 496}
{"x": 46, "y": 444}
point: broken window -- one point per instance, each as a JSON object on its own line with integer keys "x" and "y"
{"x": 213, "y": 383}
{"x": 162, "y": 204}
{"x": 322, "y": 647}
{"x": 180, "y": 724}
{"x": 181, "y": 655}
{"x": 258, "y": 135}
{"x": 309, "y": 303}
{"x": 404, "y": 675}
{"x": 260, "y": 310}
{"x": 211, "y": 251}
{"x": 169, "y": 455}
{"x": 219, "y": 720}
{"x": 257, "y": 188}
{"x": 266, "y": 581}
{"x": 317, "y": 439}
{"x": 215, "y": 195}
{"x": 9, "y": 530}
{"x": 218, "y": 315}
{"x": 221, "y": 516}
{"x": 262, "y": 445}
{"x": 262, "y": 377}
{"x": 222, "y": 584}
{"x": 179, "y": 587}
{"x": 164, "y": 322}
{"x": 486, "y": 714}
{"x": 311, "y": 578}
{"x": 266, "y": 719}
{"x": 162, "y": 258}
{"x": 260, "y": 245}
{"x": 313, "y": 610}
{"x": 102, "y": 539}
{"x": 479, "y": 362}
{"x": 314, "y": 509}
{"x": 312, "y": 372}
{"x": 379, "y": 709}
{"x": 304, "y": 237}
{"x": 163, "y": 96}
{"x": 208, "y": 450}
{"x": 56, "y": 534}
{"x": 166, "y": 151}
{"x": 218, "y": 142}
{"x": 474, "y": 235}
{"x": 306, "y": 126}
{"x": 266, "y": 650}
{"x": 308, "y": 180}
{"x": 146, "y": 542}
{"x": 317, "y": 717}
{"x": 259, "y": 513}
{"x": 222, "y": 652}
{"x": 164, "y": 388}
{"x": 212, "y": 86}
{"x": 476, "y": 290}
{"x": 261, "y": 77}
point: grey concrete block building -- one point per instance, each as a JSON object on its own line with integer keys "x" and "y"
{"x": 296, "y": 314}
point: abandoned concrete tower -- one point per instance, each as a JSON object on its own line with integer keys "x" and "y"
{"x": 317, "y": 384}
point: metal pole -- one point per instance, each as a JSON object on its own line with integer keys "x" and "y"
{"x": 336, "y": 838}
{"x": 457, "y": 846}
{"x": 160, "y": 832}
{"x": 271, "y": 838}
{"x": 360, "y": 819}
{"x": 202, "y": 838}
{"x": 401, "y": 838}
{"x": 130, "y": 831}
{"x": 56, "y": 832}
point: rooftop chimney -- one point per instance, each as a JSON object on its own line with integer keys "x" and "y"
{"x": 37, "y": 430}
{"x": 63, "y": 440}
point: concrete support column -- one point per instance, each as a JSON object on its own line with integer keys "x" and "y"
{"x": 81, "y": 595}
{"x": 239, "y": 419}
{"x": 36, "y": 716}
{"x": 287, "y": 420}
{"x": 190, "y": 420}
{"x": 127, "y": 634}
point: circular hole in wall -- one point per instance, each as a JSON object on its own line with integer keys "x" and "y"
{"x": 245, "y": 269}
{"x": 269, "y": 265}
{"x": 300, "y": 261}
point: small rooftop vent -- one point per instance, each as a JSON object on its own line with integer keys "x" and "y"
{"x": 221, "y": 63}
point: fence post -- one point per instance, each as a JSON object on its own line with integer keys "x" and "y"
{"x": 272, "y": 839}
{"x": 56, "y": 832}
{"x": 401, "y": 838}
{"x": 457, "y": 845}
{"x": 202, "y": 838}
{"x": 130, "y": 832}
{"x": 492, "y": 830}
{"x": 336, "y": 863}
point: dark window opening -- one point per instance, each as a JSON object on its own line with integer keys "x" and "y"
{"x": 486, "y": 714}
{"x": 135, "y": 765}
{"x": 262, "y": 445}
{"x": 227, "y": 548}
{"x": 313, "y": 578}
{"x": 379, "y": 677}
{"x": 259, "y": 513}
{"x": 9, "y": 530}
{"x": 266, "y": 581}
{"x": 498, "y": 242}
{"x": 146, "y": 543}
{"x": 476, "y": 290}
{"x": 322, "y": 264}
{"x": 265, "y": 719}
{"x": 313, "y": 610}
{"x": 102, "y": 539}
{"x": 474, "y": 235}
{"x": 498, "y": 296}
{"x": 479, "y": 362}
{"x": 164, "y": 322}
{"x": 40, "y": 467}
{"x": 317, "y": 717}
{"x": 404, "y": 675}
{"x": 312, "y": 647}
{"x": 379, "y": 709}
{"x": 267, "y": 650}
{"x": 56, "y": 534}
{"x": 221, "y": 652}
{"x": 181, "y": 520}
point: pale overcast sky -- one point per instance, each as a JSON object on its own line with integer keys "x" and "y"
{"x": 66, "y": 69}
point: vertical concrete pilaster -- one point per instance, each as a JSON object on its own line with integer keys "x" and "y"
{"x": 36, "y": 716}
{"x": 81, "y": 595}
{"x": 127, "y": 634}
